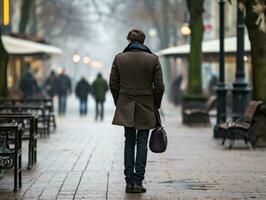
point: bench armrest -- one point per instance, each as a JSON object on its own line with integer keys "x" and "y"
{"x": 240, "y": 119}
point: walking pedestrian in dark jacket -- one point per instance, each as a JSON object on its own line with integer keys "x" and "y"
{"x": 28, "y": 85}
{"x": 63, "y": 90}
{"x": 51, "y": 84}
{"x": 212, "y": 84}
{"x": 82, "y": 91}
{"x": 137, "y": 87}
{"x": 99, "y": 87}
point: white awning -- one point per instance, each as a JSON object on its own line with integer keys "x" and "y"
{"x": 208, "y": 47}
{"x": 17, "y": 46}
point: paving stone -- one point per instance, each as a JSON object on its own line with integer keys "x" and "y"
{"x": 83, "y": 159}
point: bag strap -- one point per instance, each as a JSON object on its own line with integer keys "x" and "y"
{"x": 158, "y": 118}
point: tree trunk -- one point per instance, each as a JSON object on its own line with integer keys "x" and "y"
{"x": 196, "y": 10}
{"x": 3, "y": 69}
{"x": 258, "y": 55}
{"x": 33, "y": 21}
{"x": 25, "y": 15}
{"x": 165, "y": 42}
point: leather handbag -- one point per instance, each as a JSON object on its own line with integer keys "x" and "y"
{"x": 158, "y": 139}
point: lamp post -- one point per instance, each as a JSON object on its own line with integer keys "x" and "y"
{"x": 241, "y": 91}
{"x": 86, "y": 61}
{"x": 221, "y": 88}
{"x": 185, "y": 31}
{"x": 76, "y": 59}
{"x": 152, "y": 34}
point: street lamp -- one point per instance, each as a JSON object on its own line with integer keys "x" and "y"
{"x": 241, "y": 91}
{"x": 97, "y": 64}
{"x": 185, "y": 30}
{"x": 221, "y": 88}
{"x": 152, "y": 32}
{"x": 76, "y": 58}
{"x": 86, "y": 60}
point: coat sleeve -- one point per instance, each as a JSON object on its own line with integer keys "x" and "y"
{"x": 158, "y": 85}
{"x": 114, "y": 81}
{"x": 77, "y": 90}
{"x": 105, "y": 85}
{"x": 69, "y": 85}
{"x": 88, "y": 88}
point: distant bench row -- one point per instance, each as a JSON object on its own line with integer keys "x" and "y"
{"x": 23, "y": 120}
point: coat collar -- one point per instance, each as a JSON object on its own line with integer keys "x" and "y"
{"x": 137, "y": 46}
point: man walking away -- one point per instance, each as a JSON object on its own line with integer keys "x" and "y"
{"x": 100, "y": 88}
{"x": 51, "y": 84}
{"x": 137, "y": 87}
{"x": 82, "y": 91}
{"x": 28, "y": 85}
{"x": 63, "y": 89}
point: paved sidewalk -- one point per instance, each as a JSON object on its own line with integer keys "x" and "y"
{"x": 84, "y": 160}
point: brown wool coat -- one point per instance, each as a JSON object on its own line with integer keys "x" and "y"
{"x": 137, "y": 87}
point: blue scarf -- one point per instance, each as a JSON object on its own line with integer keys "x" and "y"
{"x": 137, "y": 46}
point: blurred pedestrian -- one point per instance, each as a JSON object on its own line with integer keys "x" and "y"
{"x": 28, "y": 85}
{"x": 176, "y": 90}
{"x": 63, "y": 90}
{"x": 51, "y": 84}
{"x": 99, "y": 87}
{"x": 82, "y": 91}
{"x": 137, "y": 87}
{"x": 212, "y": 84}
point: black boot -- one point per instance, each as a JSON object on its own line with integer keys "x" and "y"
{"x": 129, "y": 188}
{"x": 138, "y": 188}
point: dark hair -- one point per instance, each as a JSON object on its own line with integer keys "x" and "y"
{"x": 99, "y": 75}
{"x": 136, "y": 35}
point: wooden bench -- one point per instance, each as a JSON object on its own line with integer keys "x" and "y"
{"x": 10, "y": 150}
{"x": 241, "y": 126}
{"x": 199, "y": 116}
{"x": 28, "y": 123}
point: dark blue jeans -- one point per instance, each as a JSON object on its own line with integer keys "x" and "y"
{"x": 135, "y": 168}
{"x": 62, "y": 104}
{"x": 99, "y": 112}
{"x": 83, "y": 106}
